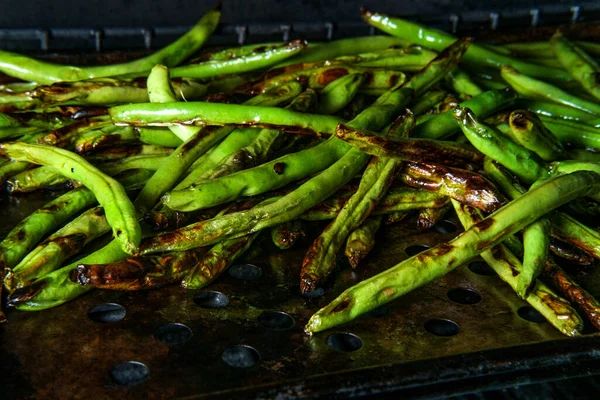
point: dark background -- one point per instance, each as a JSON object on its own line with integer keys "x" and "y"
{"x": 123, "y": 13}
{"x": 79, "y": 25}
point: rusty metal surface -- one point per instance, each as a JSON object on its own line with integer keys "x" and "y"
{"x": 63, "y": 353}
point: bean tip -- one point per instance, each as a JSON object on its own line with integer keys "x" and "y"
{"x": 365, "y": 12}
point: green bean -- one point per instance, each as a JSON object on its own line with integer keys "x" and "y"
{"x": 257, "y": 180}
{"x": 583, "y": 155}
{"x": 568, "y": 229}
{"x": 103, "y": 138}
{"x": 308, "y": 194}
{"x": 266, "y": 143}
{"x": 395, "y": 217}
{"x": 549, "y": 109}
{"x": 234, "y": 141}
{"x": 149, "y": 162}
{"x": 127, "y": 150}
{"x": 23, "y": 237}
{"x": 443, "y": 125}
{"x": 331, "y": 101}
{"x": 397, "y": 200}
{"x": 245, "y": 63}
{"x": 12, "y": 168}
{"x": 236, "y": 52}
{"x": 161, "y": 91}
{"x": 411, "y": 59}
{"x": 216, "y": 261}
{"x": 120, "y": 212}
{"x": 429, "y": 100}
{"x": 544, "y": 49}
{"x": 536, "y": 240}
{"x": 167, "y": 176}
{"x": 380, "y": 79}
{"x": 573, "y": 133}
{"x": 581, "y": 66}
{"x": 134, "y": 179}
{"x": 573, "y": 292}
{"x": 65, "y": 136}
{"x": 109, "y": 91}
{"x": 409, "y": 149}
{"x": 569, "y": 252}
{"x": 467, "y": 187}
{"x": 428, "y": 217}
{"x": 530, "y": 132}
{"x": 520, "y": 161}
{"x": 564, "y": 226}
{"x": 320, "y": 258}
{"x": 375, "y": 181}
{"x": 202, "y": 113}
{"x": 343, "y": 47}
{"x": 58, "y": 247}
{"x": 56, "y": 288}
{"x": 48, "y": 121}
{"x": 35, "y": 179}
{"x": 401, "y": 128}
{"x": 437, "y": 40}
{"x": 158, "y": 136}
{"x": 462, "y": 84}
{"x": 556, "y": 310}
{"x": 28, "y": 69}
{"x": 536, "y": 89}
{"x": 286, "y": 235}
{"x": 362, "y": 240}
{"x": 137, "y": 273}
{"x": 443, "y": 258}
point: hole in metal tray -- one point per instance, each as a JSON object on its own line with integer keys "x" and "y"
{"x": 318, "y": 292}
{"x": 107, "y": 313}
{"x": 173, "y": 334}
{"x": 276, "y": 320}
{"x": 530, "y": 314}
{"x": 416, "y": 249}
{"x": 241, "y": 356}
{"x": 481, "y": 268}
{"x": 441, "y": 327}
{"x": 343, "y": 342}
{"x": 379, "y": 312}
{"x": 445, "y": 226}
{"x": 129, "y": 373}
{"x": 245, "y": 272}
{"x": 464, "y": 296}
{"x": 211, "y": 300}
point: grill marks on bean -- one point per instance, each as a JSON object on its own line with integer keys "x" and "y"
{"x": 138, "y": 273}
{"x": 464, "y": 186}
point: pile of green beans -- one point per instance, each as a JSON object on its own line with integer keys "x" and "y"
{"x": 363, "y": 133}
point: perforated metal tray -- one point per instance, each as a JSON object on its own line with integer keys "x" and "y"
{"x": 169, "y": 342}
{"x": 166, "y": 343}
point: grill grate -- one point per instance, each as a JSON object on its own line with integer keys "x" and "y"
{"x": 121, "y": 38}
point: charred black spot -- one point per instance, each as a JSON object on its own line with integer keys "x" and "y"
{"x": 99, "y": 212}
{"x": 330, "y": 75}
{"x": 279, "y": 168}
{"x": 20, "y": 235}
{"x": 485, "y": 224}
{"x": 393, "y": 80}
{"x": 72, "y": 170}
{"x": 260, "y": 49}
{"x": 343, "y": 306}
{"x": 443, "y": 248}
{"x": 369, "y": 77}
{"x": 193, "y": 142}
{"x": 519, "y": 119}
